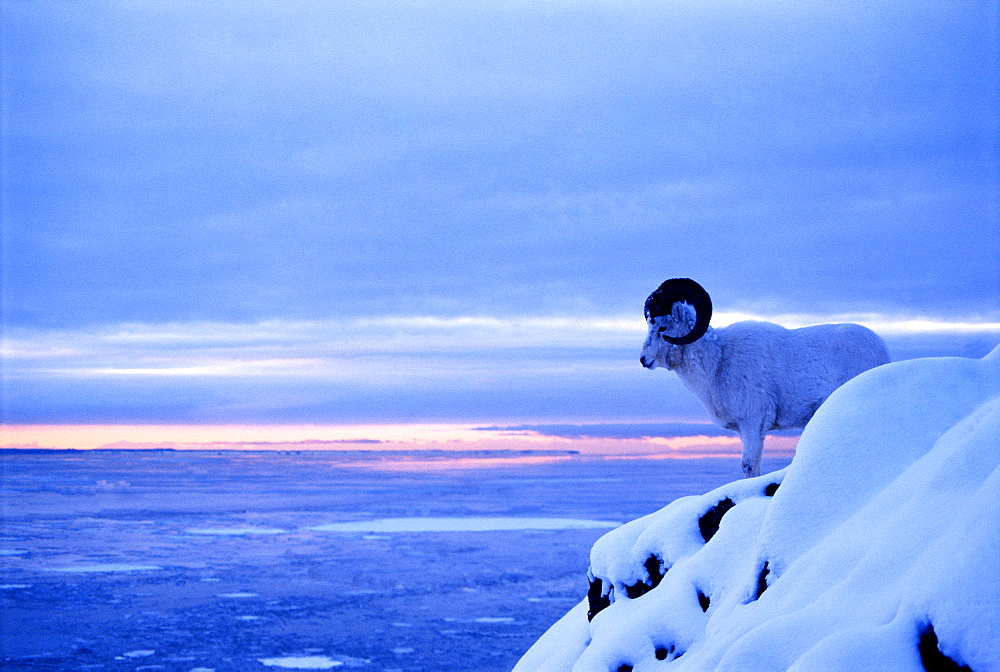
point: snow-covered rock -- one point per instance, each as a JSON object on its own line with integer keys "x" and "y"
{"x": 878, "y": 548}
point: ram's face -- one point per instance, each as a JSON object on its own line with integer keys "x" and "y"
{"x": 657, "y": 351}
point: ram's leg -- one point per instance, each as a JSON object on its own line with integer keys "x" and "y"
{"x": 753, "y": 446}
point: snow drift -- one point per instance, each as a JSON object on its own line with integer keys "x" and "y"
{"x": 878, "y": 548}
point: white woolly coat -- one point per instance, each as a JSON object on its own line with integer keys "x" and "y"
{"x": 759, "y": 376}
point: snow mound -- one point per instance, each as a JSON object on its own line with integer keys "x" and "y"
{"x": 878, "y": 548}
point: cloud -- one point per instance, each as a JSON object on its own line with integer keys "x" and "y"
{"x": 393, "y": 368}
{"x": 184, "y": 161}
{"x": 283, "y": 347}
{"x": 401, "y": 209}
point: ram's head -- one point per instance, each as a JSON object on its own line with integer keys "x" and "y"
{"x": 677, "y": 313}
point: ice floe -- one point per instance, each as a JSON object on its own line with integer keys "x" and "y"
{"x": 104, "y": 567}
{"x": 235, "y": 531}
{"x": 238, "y": 595}
{"x": 301, "y": 662}
{"x": 139, "y": 653}
{"x": 314, "y": 662}
{"x": 464, "y": 524}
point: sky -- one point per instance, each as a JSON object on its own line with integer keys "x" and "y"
{"x": 409, "y": 212}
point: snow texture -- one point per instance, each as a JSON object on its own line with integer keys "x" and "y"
{"x": 877, "y": 548}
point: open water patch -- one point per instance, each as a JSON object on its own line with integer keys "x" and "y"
{"x": 463, "y": 524}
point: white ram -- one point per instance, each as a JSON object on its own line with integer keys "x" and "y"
{"x": 752, "y": 377}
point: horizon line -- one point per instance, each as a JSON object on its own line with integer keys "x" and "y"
{"x": 669, "y": 439}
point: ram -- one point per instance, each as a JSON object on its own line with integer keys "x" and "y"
{"x": 753, "y": 377}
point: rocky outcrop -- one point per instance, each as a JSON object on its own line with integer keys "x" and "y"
{"x": 879, "y": 550}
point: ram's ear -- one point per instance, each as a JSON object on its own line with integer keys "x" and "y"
{"x": 661, "y": 302}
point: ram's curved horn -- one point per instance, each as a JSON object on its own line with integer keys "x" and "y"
{"x": 662, "y": 301}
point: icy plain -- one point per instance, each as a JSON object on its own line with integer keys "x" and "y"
{"x": 231, "y": 561}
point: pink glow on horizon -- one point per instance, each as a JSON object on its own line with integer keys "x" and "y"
{"x": 95, "y": 436}
{"x": 388, "y": 438}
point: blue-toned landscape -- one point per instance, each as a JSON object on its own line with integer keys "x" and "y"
{"x": 195, "y": 560}
{"x": 326, "y": 330}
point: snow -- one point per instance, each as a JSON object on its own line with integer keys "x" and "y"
{"x": 467, "y": 524}
{"x": 879, "y": 549}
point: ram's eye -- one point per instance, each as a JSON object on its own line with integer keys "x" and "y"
{"x": 662, "y": 329}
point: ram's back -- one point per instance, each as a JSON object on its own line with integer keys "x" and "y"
{"x": 845, "y": 350}
{"x": 785, "y": 374}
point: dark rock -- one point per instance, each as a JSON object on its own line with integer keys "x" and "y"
{"x": 762, "y": 581}
{"x": 666, "y": 653}
{"x": 637, "y": 589}
{"x": 596, "y": 599}
{"x": 654, "y": 567}
{"x": 624, "y": 668}
{"x": 709, "y": 521}
{"x": 654, "y": 572}
{"x": 771, "y": 489}
{"x": 703, "y": 600}
{"x": 932, "y": 658}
